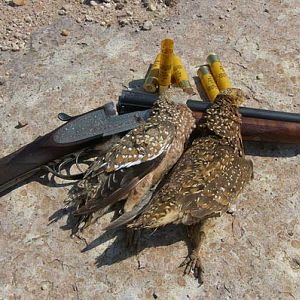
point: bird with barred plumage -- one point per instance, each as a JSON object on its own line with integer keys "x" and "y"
{"x": 138, "y": 161}
{"x": 206, "y": 180}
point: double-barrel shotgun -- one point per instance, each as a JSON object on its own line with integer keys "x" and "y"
{"x": 50, "y": 152}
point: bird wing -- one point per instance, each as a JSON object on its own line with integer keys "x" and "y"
{"x": 117, "y": 186}
{"x": 140, "y": 145}
{"x": 219, "y": 193}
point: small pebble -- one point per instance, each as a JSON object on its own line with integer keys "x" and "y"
{"x": 44, "y": 286}
{"x": 22, "y": 75}
{"x": 28, "y": 19}
{"x": 291, "y": 95}
{"x": 19, "y": 2}
{"x": 66, "y": 7}
{"x": 119, "y": 6}
{"x": 147, "y": 25}
{"x": 89, "y": 18}
{"x": 21, "y": 125}
{"x": 107, "y": 5}
{"x": 62, "y": 12}
{"x": 232, "y": 210}
{"x": 65, "y": 32}
{"x": 2, "y": 81}
{"x": 260, "y": 76}
{"x": 93, "y": 3}
{"x": 15, "y": 48}
{"x": 123, "y": 22}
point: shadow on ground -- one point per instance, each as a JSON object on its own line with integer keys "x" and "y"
{"x": 122, "y": 248}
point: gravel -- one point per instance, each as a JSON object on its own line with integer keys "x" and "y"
{"x": 23, "y": 19}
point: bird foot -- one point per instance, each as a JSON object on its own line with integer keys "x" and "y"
{"x": 192, "y": 263}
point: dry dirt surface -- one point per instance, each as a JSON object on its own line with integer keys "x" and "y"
{"x": 71, "y": 56}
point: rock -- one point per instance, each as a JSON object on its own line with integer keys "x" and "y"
{"x": 2, "y": 80}
{"x": 93, "y": 3}
{"x": 65, "y": 32}
{"x": 170, "y": 3}
{"x": 107, "y": 4}
{"x": 147, "y": 25}
{"x": 89, "y": 18}
{"x": 119, "y": 6}
{"x": 22, "y": 75}
{"x": 150, "y": 5}
{"x": 19, "y": 2}
{"x": 28, "y": 19}
{"x": 66, "y": 7}
{"x": 62, "y": 12}
{"x": 260, "y": 76}
{"x": 21, "y": 125}
{"x": 18, "y": 35}
{"x": 15, "y": 47}
{"x": 123, "y": 22}
{"x": 44, "y": 286}
{"x": 4, "y": 48}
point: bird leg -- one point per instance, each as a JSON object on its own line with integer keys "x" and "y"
{"x": 193, "y": 260}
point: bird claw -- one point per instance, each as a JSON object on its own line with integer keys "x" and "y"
{"x": 192, "y": 263}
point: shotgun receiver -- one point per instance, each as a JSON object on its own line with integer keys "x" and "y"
{"x": 78, "y": 133}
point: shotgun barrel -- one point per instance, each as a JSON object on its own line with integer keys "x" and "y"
{"x": 257, "y": 124}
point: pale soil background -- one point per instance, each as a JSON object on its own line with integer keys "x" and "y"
{"x": 252, "y": 254}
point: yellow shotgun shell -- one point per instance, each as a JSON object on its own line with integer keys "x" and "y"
{"x": 151, "y": 80}
{"x": 166, "y": 61}
{"x": 218, "y": 72}
{"x": 208, "y": 82}
{"x": 180, "y": 75}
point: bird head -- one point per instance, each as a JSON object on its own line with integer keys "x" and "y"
{"x": 232, "y": 96}
{"x": 173, "y": 96}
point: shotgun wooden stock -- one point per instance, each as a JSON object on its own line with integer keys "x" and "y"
{"x": 264, "y": 130}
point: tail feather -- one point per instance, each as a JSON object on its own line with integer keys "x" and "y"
{"x": 129, "y": 216}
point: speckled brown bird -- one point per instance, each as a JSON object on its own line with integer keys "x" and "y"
{"x": 138, "y": 161}
{"x": 206, "y": 180}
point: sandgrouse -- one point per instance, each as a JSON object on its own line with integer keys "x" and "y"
{"x": 138, "y": 161}
{"x": 207, "y": 179}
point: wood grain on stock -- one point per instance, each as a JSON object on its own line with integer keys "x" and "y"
{"x": 264, "y": 130}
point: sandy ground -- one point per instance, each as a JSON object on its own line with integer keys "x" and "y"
{"x": 252, "y": 254}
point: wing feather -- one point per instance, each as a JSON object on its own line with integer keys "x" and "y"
{"x": 117, "y": 186}
{"x": 141, "y": 144}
